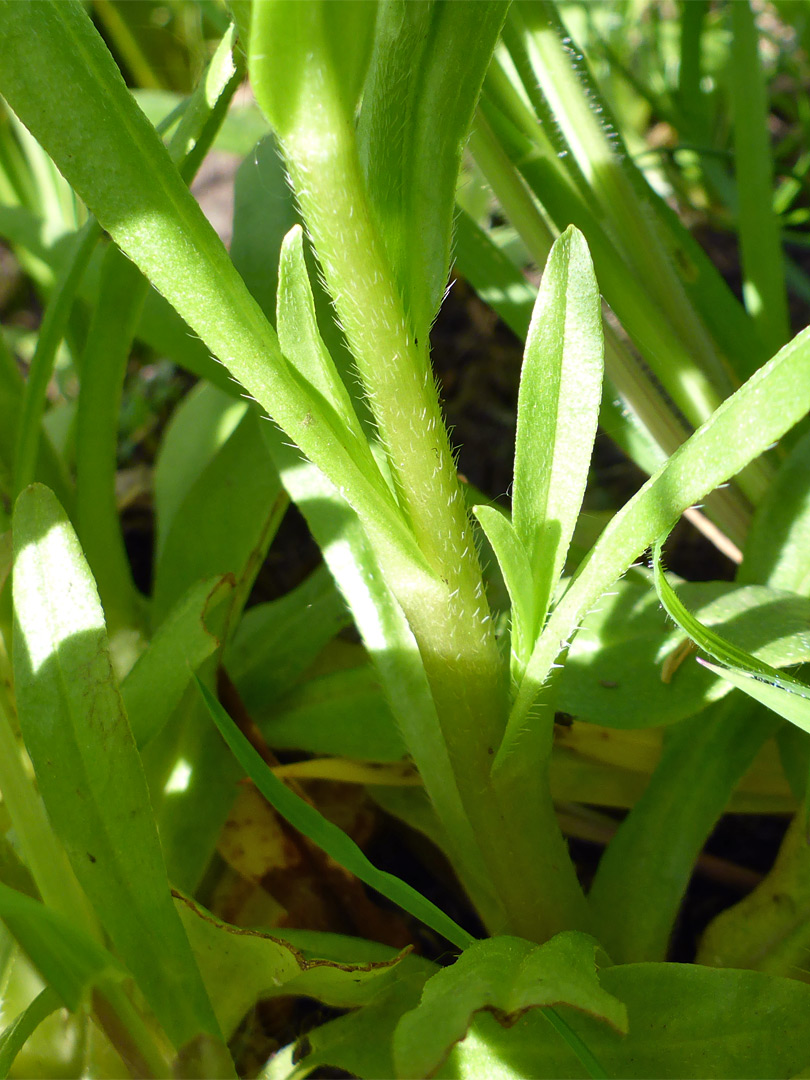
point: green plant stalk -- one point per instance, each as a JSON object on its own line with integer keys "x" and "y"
{"x": 399, "y": 383}
{"x": 451, "y": 624}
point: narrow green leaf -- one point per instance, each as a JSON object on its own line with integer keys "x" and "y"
{"x": 787, "y": 698}
{"x": 425, "y": 75}
{"x": 87, "y": 765}
{"x": 43, "y": 854}
{"x": 782, "y": 693}
{"x": 70, "y": 94}
{"x": 758, "y": 226}
{"x": 116, "y": 315}
{"x": 631, "y": 421}
{"x": 613, "y": 185}
{"x": 50, "y": 335}
{"x": 327, "y": 836}
{"x": 558, "y": 409}
{"x": 508, "y": 977}
{"x": 83, "y": 974}
{"x": 226, "y": 521}
{"x": 198, "y": 429}
{"x": 301, "y": 343}
{"x": 103, "y": 366}
{"x": 517, "y": 575}
{"x": 20, "y": 1030}
{"x": 761, "y": 411}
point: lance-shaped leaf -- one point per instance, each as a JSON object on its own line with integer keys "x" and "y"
{"x": 300, "y": 339}
{"x": 517, "y": 576}
{"x": 79, "y": 973}
{"x": 66, "y": 958}
{"x": 63, "y": 84}
{"x": 87, "y": 765}
{"x": 762, "y": 410}
{"x": 558, "y": 408}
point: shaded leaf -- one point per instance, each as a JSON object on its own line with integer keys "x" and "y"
{"x": 67, "y": 959}
{"x": 240, "y": 967}
{"x": 327, "y": 836}
{"x": 685, "y": 1021}
{"x": 276, "y": 642}
{"x": 155, "y": 686}
{"x": 620, "y": 671}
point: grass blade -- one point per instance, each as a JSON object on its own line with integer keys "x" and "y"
{"x": 784, "y": 695}
{"x": 20, "y": 1030}
{"x": 327, "y": 836}
{"x": 760, "y": 242}
{"x": 50, "y": 335}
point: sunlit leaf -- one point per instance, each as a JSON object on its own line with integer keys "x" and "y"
{"x": 87, "y": 764}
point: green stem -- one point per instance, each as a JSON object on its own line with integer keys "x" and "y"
{"x": 451, "y": 623}
{"x": 517, "y": 836}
